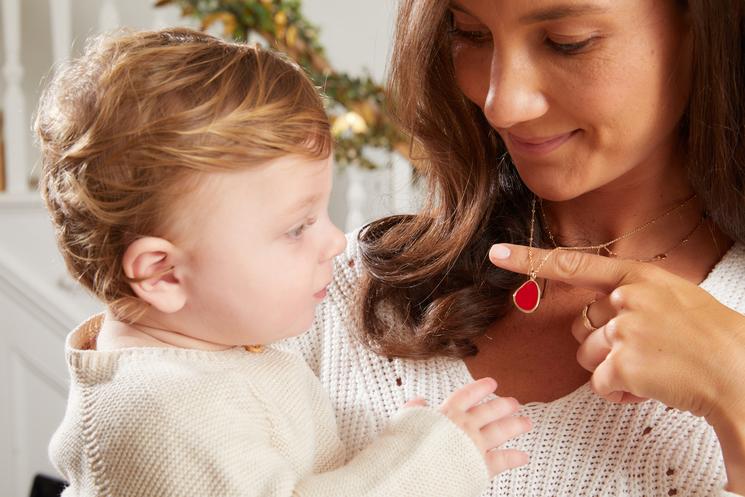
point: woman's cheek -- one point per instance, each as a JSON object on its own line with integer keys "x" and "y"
{"x": 472, "y": 72}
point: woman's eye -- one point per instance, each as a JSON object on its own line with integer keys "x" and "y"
{"x": 569, "y": 48}
{"x": 470, "y": 36}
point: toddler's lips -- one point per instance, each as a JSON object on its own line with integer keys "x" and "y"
{"x": 321, "y": 294}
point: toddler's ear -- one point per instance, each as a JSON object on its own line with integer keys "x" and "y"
{"x": 150, "y": 264}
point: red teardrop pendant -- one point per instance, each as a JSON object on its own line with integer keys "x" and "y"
{"x": 528, "y": 296}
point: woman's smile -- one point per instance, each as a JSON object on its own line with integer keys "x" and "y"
{"x": 534, "y": 145}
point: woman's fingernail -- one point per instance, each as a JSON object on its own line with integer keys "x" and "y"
{"x": 499, "y": 252}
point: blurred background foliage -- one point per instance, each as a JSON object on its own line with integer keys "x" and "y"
{"x": 356, "y": 104}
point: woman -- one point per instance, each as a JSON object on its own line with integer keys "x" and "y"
{"x": 608, "y": 126}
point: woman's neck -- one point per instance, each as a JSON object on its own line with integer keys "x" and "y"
{"x": 691, "y": 246}
{"x": 625, "y": 205}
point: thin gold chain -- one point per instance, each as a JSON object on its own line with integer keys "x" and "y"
{"x": 662, "y": 256}
{"x": 533, "y": 273}
{"x": 606, "y": 246}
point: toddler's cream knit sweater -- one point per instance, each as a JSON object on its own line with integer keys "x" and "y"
{"x": 175, "y": 422}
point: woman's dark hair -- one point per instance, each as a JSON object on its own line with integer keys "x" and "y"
{"x": 431, "y": 270}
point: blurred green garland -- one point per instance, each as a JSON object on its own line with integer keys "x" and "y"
{"x": 356, "y": 104}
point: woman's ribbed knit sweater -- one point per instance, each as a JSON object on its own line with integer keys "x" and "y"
{"x": 580, "y": 445}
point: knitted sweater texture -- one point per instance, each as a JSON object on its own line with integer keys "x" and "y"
{"x": 176, "y": 422}
{"x": 580, "y": 444}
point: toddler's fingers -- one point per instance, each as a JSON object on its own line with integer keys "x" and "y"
{"x": 466, "y": 397}
{"x": 498, "y": 432}
{"x": 416, "y": 402}
{"x": 485, "y": 413}
{"x": 503, "y": 459}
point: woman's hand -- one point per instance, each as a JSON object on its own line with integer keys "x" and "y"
{"x": 657, "y": 336}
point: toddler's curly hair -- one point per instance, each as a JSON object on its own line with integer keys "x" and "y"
{"x": 126, "y": 129}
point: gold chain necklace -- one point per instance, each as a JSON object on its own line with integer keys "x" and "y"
{"x": 528, "y": 295}
{"x": 605, "y": 247}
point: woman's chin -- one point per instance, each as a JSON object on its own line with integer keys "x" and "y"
{"x": 556, "y": 189}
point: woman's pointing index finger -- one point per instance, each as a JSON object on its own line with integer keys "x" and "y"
{"x": 594, "y": 272}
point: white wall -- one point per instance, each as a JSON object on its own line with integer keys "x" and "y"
{"x": 356, "y": 33}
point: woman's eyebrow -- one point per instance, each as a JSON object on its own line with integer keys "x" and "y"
{"x": 456, "y": 6}
{"x": 555, "y": 12}
{"x": 550, "y": 13}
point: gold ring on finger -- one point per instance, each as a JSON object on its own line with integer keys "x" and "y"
{"x": 586, "y": 320}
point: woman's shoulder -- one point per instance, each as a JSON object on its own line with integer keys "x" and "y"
{"x": 725, "y": 281}
{"x": 348, "y": 267}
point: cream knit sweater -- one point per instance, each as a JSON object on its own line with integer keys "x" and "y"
{"x": 176, "y": 422}
{"x": 580, "y": 445}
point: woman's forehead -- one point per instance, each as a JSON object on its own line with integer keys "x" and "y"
{"x": 534, "y": 11}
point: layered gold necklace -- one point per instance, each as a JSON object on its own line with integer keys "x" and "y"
{"x": 528, "y": 295}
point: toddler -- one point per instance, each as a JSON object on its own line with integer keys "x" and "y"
{"x": 188, "y": 180}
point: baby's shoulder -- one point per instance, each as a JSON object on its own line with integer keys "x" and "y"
{"x": 174, "y": 385}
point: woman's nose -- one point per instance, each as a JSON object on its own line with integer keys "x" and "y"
{"x": 515, "y": 92}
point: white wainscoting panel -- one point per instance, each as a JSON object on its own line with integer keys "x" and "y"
{"x": 39, "y": 305}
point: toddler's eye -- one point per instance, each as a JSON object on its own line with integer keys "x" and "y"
{"x": 297, "y": 232}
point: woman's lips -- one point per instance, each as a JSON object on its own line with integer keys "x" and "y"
{"x": 538, "y": 145}
{"x": 321, "y": 294}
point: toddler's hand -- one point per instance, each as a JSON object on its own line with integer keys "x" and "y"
{"x": 489, "y": 424}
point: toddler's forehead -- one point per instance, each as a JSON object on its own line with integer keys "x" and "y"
{"x": 283, "y": 184}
